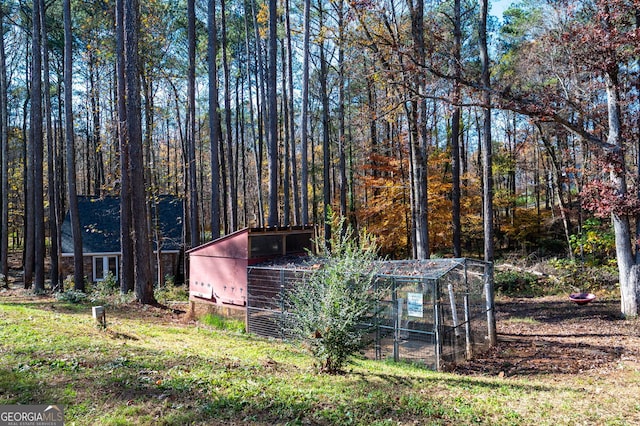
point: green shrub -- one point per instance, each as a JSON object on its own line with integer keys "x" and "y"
{"x": 69, "y": 283}
{"x": 71, "y": 296}
{"x": 328, "y": 311}
{"x": 513, "y": 283}
{"x": 578, "y": 276}
{"x": 107, "y": 292}
{"x": 595, "y": 244}
{"x": 106, "y": 287}
{"x": 169, "y": 292}
{"x": 561, "y": 276}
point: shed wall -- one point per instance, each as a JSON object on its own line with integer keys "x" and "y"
{"x": 233, "y": 246}
{"x": 220, "y": 280}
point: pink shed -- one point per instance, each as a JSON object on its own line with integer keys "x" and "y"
{"x": 218, "y": 269}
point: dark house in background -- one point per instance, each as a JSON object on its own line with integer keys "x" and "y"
{"x": 100, "y": 223}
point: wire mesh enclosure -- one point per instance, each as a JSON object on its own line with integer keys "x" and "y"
{"x": 434, "y": 312}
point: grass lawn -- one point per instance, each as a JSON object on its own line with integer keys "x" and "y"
{"x": 150, "y": 367}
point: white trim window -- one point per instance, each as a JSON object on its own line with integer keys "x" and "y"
{"x": 102, "y": 265}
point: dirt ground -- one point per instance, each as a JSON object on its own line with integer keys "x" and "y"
{"x": 552, "y": 335}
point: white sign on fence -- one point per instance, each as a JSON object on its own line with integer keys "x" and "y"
{"x": 414, "y": 305}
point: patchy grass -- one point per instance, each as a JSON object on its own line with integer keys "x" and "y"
{"x": 522, "y": 320}
{"x": 222, "y": 323}
{"x": 150, "y": 367}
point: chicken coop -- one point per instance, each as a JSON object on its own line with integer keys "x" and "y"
{"x": 433, "y": 312}
{"x": 218, "y": 269}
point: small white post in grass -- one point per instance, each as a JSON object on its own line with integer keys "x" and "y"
{"x": 100, "y": 316}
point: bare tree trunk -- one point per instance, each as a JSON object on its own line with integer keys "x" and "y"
{"x": 242, "y": 146}
{"x": 487, "y": 152}
{"x": 231, "y": 169}
{"x": 38, "y": 152}
{"x": 59, "y": 166}
{"x": 326, "y": 148}
{"x": 29, "y": 173}
{"x": 191, "y": 127}
{"x": 637, "y": 87}
{"x": 627, "y": 268}
{"x": 455, "y": 132}
{"x": 127, "y": 269}
{"x": 291, "y": 121}
{"x": 225, "y": 178}
{"x": 487, "y": 165}
{"x": 314, "y": 181}
{"x": 419, "y": 142}
{"x": 213, "y": 119}
{"x": 78, "y": 268}
{"x": 286, "y": 165}
{"x": 141, "y": 242}
{"x": 414, "y": 167}
{"x": 272, "y": 146}
{"x": 96, "y": 139}
{"x": 254, "y": 126}
{"x": 4, "y": 160}
{"x": 304, "y": 118}
{"x": 261, "y": 97}
{"x": 85, "y": 149}
{"x": 373, "y": 127}
{"x": 27, "y": 184}
{"x": 149, "y": 154}
{"x": 342, "y": 137}
{"x": 53, "y": 194}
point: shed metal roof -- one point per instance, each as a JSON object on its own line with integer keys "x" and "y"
{"x": 430, "y": 269}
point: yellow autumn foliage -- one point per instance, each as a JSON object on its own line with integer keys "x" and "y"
{"x": 386, "y": 209}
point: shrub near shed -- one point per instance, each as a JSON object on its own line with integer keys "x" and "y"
{"x": 328, "y": 312}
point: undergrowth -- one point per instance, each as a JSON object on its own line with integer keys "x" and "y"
{"x": 552, "y": 277}
{"x": 107, "y": 292}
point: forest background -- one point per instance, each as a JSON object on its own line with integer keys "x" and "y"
{"x": 438, "y": 128}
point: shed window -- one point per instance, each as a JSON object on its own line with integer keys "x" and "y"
{"x": 298, "y": 243}
{"x": 102, "y": 265}
{"x": 266, "y": 245}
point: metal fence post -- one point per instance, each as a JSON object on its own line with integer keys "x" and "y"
{"x": 376, "y": 319}
{"x": 437, "y": 324}
{"x": 282, "y": 304}
{"x": 491, "y": 316}
{"x": 396, "y": 322}
{"x": 467, "y": 314}
{"x": 467, "y": 327}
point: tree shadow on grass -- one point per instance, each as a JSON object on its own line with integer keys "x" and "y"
{"x": 456, "y": 380}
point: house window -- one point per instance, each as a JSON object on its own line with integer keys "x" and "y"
{"x": 102, "y": 265}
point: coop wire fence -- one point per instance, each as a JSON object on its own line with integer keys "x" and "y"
{"x": 433, "y": 312}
